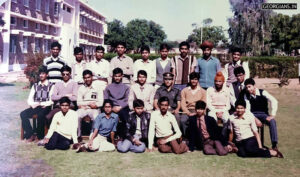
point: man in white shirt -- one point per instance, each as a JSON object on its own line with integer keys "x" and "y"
{"x": 164, "y": 126}
{"x": 145, "y": 64}
{"x": 78, "y": 66}
{"x": 63, "y": 128}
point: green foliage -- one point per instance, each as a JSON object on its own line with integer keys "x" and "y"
{"x": 115, "y": 33}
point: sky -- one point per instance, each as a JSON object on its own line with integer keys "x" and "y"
{"x": 175, "y": 16}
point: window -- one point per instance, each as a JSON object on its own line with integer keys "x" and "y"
{"x": 13, "y": 21}
{"x": 46, "y": 28}
{"x": 37, "y": 26}
{"x": 37, "y": 45}
{"x": 47, "y": 6}
{"x": 12, "y": 44}
{"x": 56, "y": 8}
{"x": 25, "y": 44}
{"x": 69, "y": 9}
{"x": 25, "y": 23}
{"x": 38, "y": 5}
{"x": 54, "y": 30}
{"x": 47, "y": 46}
{"x": 26, "y": 3}
{"x": 14, "y": 1}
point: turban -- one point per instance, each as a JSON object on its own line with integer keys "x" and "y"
{"x": 219, "y": 76}
{"x": 207, "y": 44}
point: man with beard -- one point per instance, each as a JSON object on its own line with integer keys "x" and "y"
{"x": 208, "y": 66}
{"x": 78, "y": 66}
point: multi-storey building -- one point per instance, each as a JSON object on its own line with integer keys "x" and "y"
{"x": 32, "y": 25}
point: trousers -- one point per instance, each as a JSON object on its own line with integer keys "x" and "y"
{"x": 249, "y": 148}
{"x": 172, "y": 146}
{"x": 214, "y": 147}
{"x": 57, "y": 141}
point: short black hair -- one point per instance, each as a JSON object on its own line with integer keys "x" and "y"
{"x": 66, "y": 68}
{"x": 162, "y": 99}
{"x": 64, "y": 100}
{"x": 236, "y": 49}
{"x": 43, "y": 69}
{"x": 145, "y": 47}
{"x": 138, "y": 103}
{"x": 100, "y": 48}
{"x": 194, "y": 75}
{"x": 240, "y": 102}
{"x": 109, "y": 102}
{"x": 117, "y": 71}
{"x": 85, "y": 72}
{"x": 164, "y": 46}
{"x": 78, "y": 50}
{"x": 121, "y": 43}
{"x": 239, "y": 70}
{"x": 142, "y": 72}
{"x": 184, "y": 43}
{"x": 249, "y": 81}
{"x": 200, "y": 104}
{"x": 56, "y": 44}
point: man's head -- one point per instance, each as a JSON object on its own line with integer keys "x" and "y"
{"x": 43, "y": 73}
{"x": 163, "y": 104}
{"x": 66, "y": 73}
{"x": 121, "y": 48}
{"x": 117, "y": 75}
{"x": 239, "y": 73}
{"x": 219, "y": 80}
{"x": 184, "y": 48}
{"x": 194, "y": 79}
{"x": 164, "y": 50}
{"x": 145, "y": 51}
{"x": 99, "y": 52}
{"x": 142, "y": 77}
{"x": 240, "y": 107}
{"x": 55, "y": 49}
{"x": 250, "y": 85}
{"x": 207, "y": 47}
{"x": 200, "y": 108}
{"x": 168, "y": 79}
{"x": 64, "y": 103}
{"x": 87, "y": 77}
{"x": 78, "y": 53}
{"x": 138, "y": 106}
{"x": 236, "y": 54}
{"x": 107, "y": 106}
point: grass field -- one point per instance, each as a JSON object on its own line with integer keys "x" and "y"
{"x": 68, "y": 163}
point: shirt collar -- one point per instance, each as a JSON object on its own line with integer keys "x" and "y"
{"x": 121, "y": 58}
{"x": 197, "y": 88}
{"x": 45, "y": 83}
{"x": 54, "y": 59}
{"x": 222, "y": 90}
{"x": 96, "y": 61}
{"x": 167, "y": 59}
{"x": 238, "y": 62}
{"x": 103, "y": 116}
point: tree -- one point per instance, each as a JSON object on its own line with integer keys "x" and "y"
{"x": 207, "y": 22}
{"x": 115, "y": 33}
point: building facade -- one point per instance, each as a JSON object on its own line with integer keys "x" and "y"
{"x": 32, "y": 25}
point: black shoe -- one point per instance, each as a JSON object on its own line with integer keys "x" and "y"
{"x": 81, "y": 149}
{"x": 279, "y": 154}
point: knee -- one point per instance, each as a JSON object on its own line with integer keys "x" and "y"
{"x": 140, "y": 148}
{"x": 222, "y": 152}
{"x": 122, "y": 148}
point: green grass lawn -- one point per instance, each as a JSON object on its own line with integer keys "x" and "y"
{"x": 68, "y": 163}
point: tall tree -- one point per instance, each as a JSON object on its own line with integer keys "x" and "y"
{"x": 115, "y": 33}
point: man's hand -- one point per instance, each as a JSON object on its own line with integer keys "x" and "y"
{"x": 219, "y": 115}
{"x": 90, "y": 143}
{"x": 269, "y": 118}
{"x": 163, "y": 141}
{"x": 46, "y": 140}
{"x": 149, "y": 150}
{"x": 76, "y": 146}
{"x": 93, "y": 106}
{"x": 137, "y": 142}
{"x": 116, "y": 109}
{"x": 176, "y": 111}
{"x": 191, "y": 114}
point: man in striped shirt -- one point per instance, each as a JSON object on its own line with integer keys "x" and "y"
{"x": 54, "y": 63}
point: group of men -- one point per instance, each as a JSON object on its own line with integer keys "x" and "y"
{"x": 176, "y": 104}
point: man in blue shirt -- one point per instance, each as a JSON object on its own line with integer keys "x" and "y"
{"x": 104, "y": 127}
{"x": 208, "y": 66}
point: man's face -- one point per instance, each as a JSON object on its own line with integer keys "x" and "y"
{"x": 117, "y": 77}
{"x": 107, "y": 108}
{"x": 240, "y": 110}
{"x": 79, "y": 57}
{"x": 164, "y": 53}
{"x": 55, "y": 51}
{"x": 200, "y": 112}
{"x": 43, "y": 76}
{"x": 207, "y": 52}
{"x": 88, "y": 79}
{"x": 194, "y": 82}
{"x": 168, "y": 82}
{"x": 250, "y": 88}
{"x": 240, "y": 77}
{"x": 121, "y": 50}
{"x": 64, "y": 107}
{"x": 66, "y": 75}
{"x": 99, "y": 54}
{"x": 236, "y": 56}
{"x": 163, "y": 106}
{"x": 219, "y": 84}
{"x": 145, "y": 55}
{"x": 184, "y": 51}
{"x": 139, "y": 110}
{"x": 142, "y": 79}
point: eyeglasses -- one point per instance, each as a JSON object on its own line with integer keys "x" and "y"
{"x": 66, "y": 74}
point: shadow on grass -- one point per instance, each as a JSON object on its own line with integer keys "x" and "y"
{"x": 6, "y": 84}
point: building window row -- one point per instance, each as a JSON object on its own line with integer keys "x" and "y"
{"x": 38, "y": 26}
{"x": 99, "y": 17}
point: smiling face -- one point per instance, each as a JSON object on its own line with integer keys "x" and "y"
{"x": 236, "y": 56}
{"x": 240, "y": 110}
{"x": 240, "y": 77}
{"x": 200, "y": 112}
{"x": 168, "y": 82}
{"x": 194, "y": 82}
{"x": 251, "y": 89}
{"x": 88, "y": 79}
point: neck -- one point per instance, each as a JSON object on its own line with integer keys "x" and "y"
{"x": 193, "y": 87}
{"x": 183, "y": 56}
{"x": 107, "y": 115}
{"x": 121, "y": 55}
{"x": 66, "y": 81}
{"x": 164, "y": 58}
{"x": 43, "y": 81}
{"x": 78, "y": 61}
{"x": 54, "y": 56}
{"x": 98, "y": 59}
{"x": 141, "y": 84}
{"x": 219, "y": 89}
{"x": 64, "y": 113}
{"x": 240, "y": 116}
{"x": 206, "y": 57}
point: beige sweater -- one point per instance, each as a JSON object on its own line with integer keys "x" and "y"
{"x": 189, "y": 99}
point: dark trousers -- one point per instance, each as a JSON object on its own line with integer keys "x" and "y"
{"x": 123, "y": 117}
{"x": 41, "y": 116}
{"x": 172, "y": 146}
{"x": 58, "y": 141}
{"x": 214, "y": 147}
{"x": 272, "y": 126}
{"x": 249, "y": 148}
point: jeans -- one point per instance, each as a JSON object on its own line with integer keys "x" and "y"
{"x": 126, "y": 145}
{"x": 58, "y": 141}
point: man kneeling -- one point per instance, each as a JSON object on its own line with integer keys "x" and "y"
{"x": 137, "y": 127}
{"x": 162, "y": 123}
{"x": 63, "y": 128}
{"x": 105, "y": 125}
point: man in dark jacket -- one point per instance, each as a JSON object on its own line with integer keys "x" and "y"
{"x": 137, "y": 127}
{"x": 206, "y": 134}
